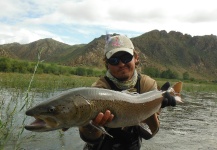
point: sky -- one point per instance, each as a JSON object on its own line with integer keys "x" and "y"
{"x": 80, "y": 21}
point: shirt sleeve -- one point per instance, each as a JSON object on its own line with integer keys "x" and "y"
{"x": 149, "y": 84}
{"x": 101, "y": 83}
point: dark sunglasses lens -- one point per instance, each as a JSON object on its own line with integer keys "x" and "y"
{"x": 113, "y": 61}
{"x": 124, "y": 59}
{"x": 127, "y": 58}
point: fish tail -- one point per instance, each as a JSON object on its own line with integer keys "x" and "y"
{"x": 175, "y": 90}
{"x": 177, "y": 87}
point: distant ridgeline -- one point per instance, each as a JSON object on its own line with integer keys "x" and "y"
{"x": 162, "y": 54}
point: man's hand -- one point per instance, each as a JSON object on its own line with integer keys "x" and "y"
{"x": 90, "y": 132}
{"x": 101, "y": 119}
{"x": 168, "y": 100}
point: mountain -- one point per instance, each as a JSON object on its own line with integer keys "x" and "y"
{"x": 173, "y": 50}
{"x": 51, "y": 50}
{"x": 197, "y": 55}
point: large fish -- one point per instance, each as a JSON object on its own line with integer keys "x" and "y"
{"x": 78, "y": 106}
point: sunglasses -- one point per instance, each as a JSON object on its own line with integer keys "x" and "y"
{"x": 124, "y": 59}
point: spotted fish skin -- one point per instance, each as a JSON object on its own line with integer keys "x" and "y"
{"x": 78, "y": 106}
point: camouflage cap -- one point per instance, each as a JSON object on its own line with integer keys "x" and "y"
{"x": 118, "y": 43}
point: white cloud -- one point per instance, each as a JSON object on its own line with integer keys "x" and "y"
{"x": 29, "y": 20}
{"x": 10, "y": 34}
{"x": 9, "y": 9}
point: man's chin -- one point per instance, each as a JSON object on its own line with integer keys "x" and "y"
{"x": 123, "y": 77}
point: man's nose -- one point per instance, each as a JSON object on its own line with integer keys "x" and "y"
{"x": 121, "y": 63}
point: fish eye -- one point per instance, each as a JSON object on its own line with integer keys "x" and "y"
{"x": 51, "y": 109}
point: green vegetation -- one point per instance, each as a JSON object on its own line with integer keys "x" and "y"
{"x": 200, "y": 87}
{"x": 44, "y": 82}
{"x": 19, "y": 66}
{"x": 25, "y": 67}
{"x": 50, "y": 83}
{"x": 186, "y": 76}
{"x": 155, "y": 73}
{"x": 166, "y": 74}
{"x": 195, "y": 86}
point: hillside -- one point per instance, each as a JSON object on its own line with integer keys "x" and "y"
{"x": 196, "y": 55}
{"x": 51, "y": 50}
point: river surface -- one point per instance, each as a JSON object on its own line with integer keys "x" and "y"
{"x": 189, "y": 126}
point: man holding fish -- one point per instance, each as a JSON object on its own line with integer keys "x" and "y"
{"x": 121, "y": 60}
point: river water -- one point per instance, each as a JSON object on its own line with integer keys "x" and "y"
{"x": 189, "y": 126}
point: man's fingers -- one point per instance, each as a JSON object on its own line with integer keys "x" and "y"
{"x": 101, "y": 119}
{"x": 105, "y": 117}
{"x": 110, "y": 118}
{"x": 98, "y": 118}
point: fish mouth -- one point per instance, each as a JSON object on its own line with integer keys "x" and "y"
{"x": 42, "y": 124}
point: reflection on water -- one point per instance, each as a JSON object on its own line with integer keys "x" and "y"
{"x": 191, "y": 125}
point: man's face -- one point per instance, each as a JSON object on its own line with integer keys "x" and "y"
{"x": 122, "y": 71}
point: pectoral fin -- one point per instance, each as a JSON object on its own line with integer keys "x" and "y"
{"x": 101, "y": 129}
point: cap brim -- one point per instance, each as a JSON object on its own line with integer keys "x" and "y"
{"x": 112, "y": 52}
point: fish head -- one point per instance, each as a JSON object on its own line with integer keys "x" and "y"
{"x": 53, "y": 114}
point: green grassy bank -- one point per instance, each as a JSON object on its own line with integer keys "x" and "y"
{"x": 51, "y": 82}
